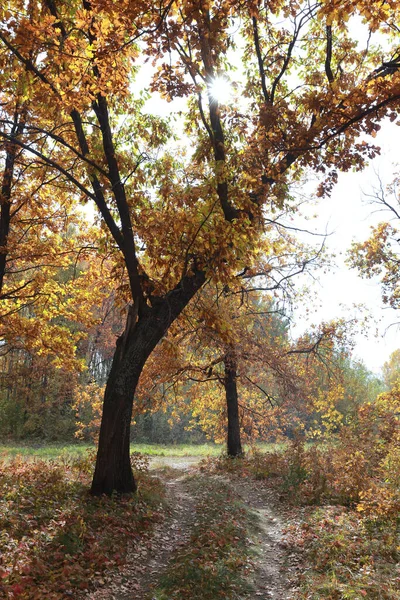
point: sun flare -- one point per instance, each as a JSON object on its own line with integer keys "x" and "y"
{"x": 220, "y": 90}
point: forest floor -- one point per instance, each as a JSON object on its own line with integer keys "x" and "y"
{"x": 271, "y": 565}
{"x": 199, "y": 529}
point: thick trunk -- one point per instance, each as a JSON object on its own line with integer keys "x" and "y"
{"x": 113, "y": 470}
{"x": 234, "y": 445}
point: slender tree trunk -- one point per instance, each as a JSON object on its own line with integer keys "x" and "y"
{"x": 113, "y": 470}
{"x": 234, "y": 445}
{"x": 5, "y": 195}
{"x": 5, "y": 211}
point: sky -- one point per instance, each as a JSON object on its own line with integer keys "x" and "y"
{"x": 347, "y": 215}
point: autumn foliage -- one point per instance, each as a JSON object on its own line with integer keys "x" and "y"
{"x": 148, "y": 249}
{"x": 351, "y": 542}
{"x": 56, "y": 541}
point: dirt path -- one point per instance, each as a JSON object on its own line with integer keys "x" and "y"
{"x": 184, "y": 463}
{"x": 274, "y": 565}
{"x": 149, "y": 557}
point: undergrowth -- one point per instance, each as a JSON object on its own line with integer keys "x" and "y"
{"x": 351, "y": 557}
{"x": 351, "y": 542}
{"x": 55, "y": 539}
{"x": 215, "y": 561}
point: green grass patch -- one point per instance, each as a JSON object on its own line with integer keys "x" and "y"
{"x": 44, "y": 452}
{"x": 55, "y": 539}
{"x": 56, "y": 451}
{"x": 198, "y": 449}
{"x": 178, "y": 449}
{"x": 216, "y": 560}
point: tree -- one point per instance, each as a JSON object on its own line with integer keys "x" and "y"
{"x": 391, "y": 370}
{"x": 379, "y": 254}
{"x": 174, "y": 217}
{"x": 231, "y": 331}
{"x": 10, "y": 151}
{"x": 219, "y": 348}
{"x": 277, "y": 388}
{"x": 43, "y": 331}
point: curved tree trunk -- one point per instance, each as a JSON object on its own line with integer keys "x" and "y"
{"x": 113, "y": 470}
{"x": 234, "y": 445}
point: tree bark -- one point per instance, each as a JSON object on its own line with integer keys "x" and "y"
{"x": 234, "y": 445}
{"x": 5, "y": 194}
{"x": 113, "y": 469}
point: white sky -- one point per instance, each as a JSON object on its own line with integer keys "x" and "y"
{"x": 348, "y": 215}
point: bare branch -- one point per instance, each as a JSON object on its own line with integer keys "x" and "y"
{"x": 260, "y": 61}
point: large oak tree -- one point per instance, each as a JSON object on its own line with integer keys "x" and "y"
{"x": 177, "y": 213}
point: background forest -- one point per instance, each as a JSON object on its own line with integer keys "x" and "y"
{"x": 282, "y": 385}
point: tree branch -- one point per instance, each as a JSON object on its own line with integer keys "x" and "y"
{"x": 328, "y": 58}
{"x": 260, "y": 61}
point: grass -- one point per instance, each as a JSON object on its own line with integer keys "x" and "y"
{"x": 178, "y": 449}
{"x": 55, "y": 451}
{"x": 44, "y": 452}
